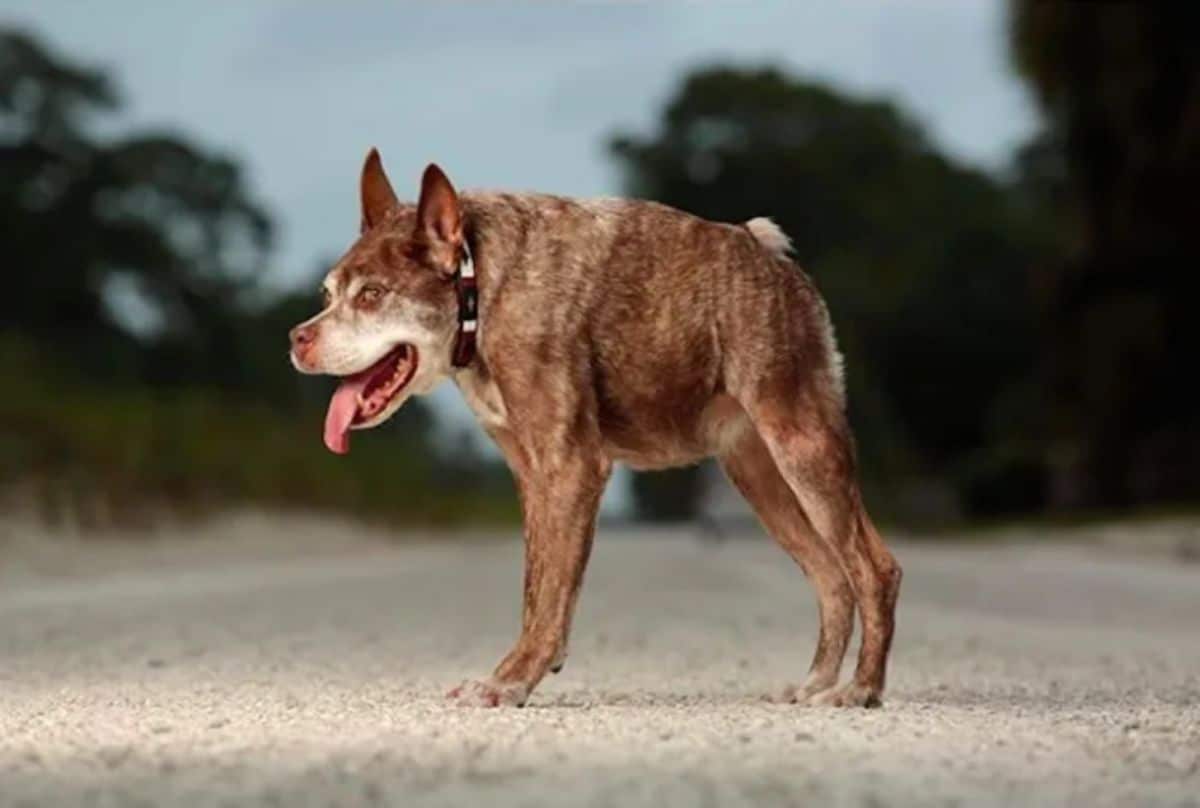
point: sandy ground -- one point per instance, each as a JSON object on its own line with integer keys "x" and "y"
{"x": 301, "y": 662}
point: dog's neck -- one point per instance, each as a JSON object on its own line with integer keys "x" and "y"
{"x": 473, "y": 376}
{"x": 479, "y": 271}
{"x": 481, "y": 393}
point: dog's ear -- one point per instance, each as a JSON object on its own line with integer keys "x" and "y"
{"x": 439, "y": 220}
{"x": 378, "y": 198}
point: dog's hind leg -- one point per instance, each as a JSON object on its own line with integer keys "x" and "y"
{"x": 749, "y": 466}
{"x": 814, "y": 451}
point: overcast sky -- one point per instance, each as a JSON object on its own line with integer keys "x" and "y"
{"x": 516, "y": 95}
{"x": 502, "y": 95}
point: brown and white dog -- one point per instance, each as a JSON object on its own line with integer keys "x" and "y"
{"x": 611, "y": 330}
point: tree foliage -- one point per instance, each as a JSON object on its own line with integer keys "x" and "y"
{"x": 144, "y": 360}
{"x": 110, "y": 235}
{"x": 1116, "y": 169}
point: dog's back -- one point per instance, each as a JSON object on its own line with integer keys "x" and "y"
{"x": 661, "y": 313}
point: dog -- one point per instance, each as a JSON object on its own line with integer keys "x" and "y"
{"x": 583, "y": 333}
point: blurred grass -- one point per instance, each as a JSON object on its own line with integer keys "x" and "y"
{"x": 93, "y": 455}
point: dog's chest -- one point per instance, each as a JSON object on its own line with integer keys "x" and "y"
{"x": 484, "y": 399}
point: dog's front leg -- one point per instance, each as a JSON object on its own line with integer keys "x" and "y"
{"x": 560, "y": 501}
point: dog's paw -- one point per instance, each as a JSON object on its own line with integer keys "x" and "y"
{"x": 489, "y": 693}
{"x": 560, "y": 659}
{"x": 849, "y": 695}
{"x": 798, "y": 694}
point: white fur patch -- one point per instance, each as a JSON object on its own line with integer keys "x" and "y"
{"x": 833, "y": 355}
{"x": 770, "y": 236}
{"x": 483, "y": 398}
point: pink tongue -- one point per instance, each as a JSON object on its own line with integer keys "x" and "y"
{"x": 342, "y": 409}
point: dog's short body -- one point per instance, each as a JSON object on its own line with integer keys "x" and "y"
{"x": 613, "y": 331}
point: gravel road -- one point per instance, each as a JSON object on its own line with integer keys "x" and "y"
{"x": 291, "y": 662}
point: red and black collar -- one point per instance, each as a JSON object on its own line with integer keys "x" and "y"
{"x": 468, "y": 309}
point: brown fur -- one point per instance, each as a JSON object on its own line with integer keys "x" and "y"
{"x": 626, "y": 331}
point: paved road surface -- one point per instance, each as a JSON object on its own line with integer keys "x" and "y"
{"x": 269, "y": 668}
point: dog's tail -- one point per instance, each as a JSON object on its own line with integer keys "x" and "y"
{"x": 770, "y": 236}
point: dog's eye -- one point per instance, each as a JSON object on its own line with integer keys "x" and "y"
{"x": 369, "y": 294}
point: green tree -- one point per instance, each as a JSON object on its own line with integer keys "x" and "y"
{"x": 150, "y": 364}
{"x": 1116, "y": 170}
{"x": 106, "y": 237}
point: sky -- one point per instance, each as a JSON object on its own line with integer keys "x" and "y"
{"x": 522, "y": 96}
{"x": 502, "y": 95}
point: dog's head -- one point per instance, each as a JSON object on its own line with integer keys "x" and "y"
{"x": 391, "y": 310}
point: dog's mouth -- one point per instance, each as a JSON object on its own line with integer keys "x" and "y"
{"x": 361, "y": 399}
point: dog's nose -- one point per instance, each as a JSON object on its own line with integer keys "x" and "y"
{"x": 302, "y": 335}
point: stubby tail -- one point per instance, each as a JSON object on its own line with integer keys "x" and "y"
{"x": 770, "y": 236}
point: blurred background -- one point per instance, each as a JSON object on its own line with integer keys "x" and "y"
{"x": 997, "y": 199}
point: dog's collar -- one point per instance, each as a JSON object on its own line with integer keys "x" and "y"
{"x": 468, "y": 309}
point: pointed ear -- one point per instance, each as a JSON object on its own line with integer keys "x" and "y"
{"x": 439, "y": 220}
{"x": 378, "y": 198}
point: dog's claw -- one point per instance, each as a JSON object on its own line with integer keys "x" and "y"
{"x": 490, "y": 693}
